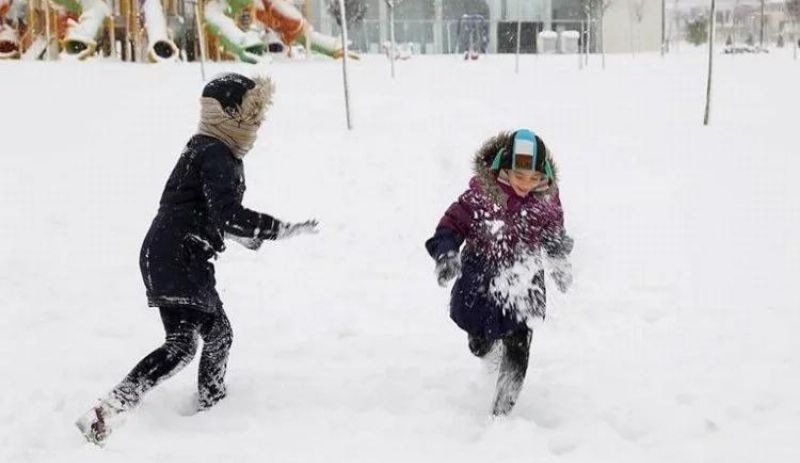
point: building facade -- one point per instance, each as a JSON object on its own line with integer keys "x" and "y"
{"x": 433, "y": 25}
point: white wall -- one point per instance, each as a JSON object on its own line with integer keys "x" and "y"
{"x": 623, "y": 34}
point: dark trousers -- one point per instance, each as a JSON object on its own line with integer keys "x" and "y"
{"x": 183, "y": 326}
{"x": 513, "y": 366}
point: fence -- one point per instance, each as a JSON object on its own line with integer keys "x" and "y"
{"x": 497, "y": 36}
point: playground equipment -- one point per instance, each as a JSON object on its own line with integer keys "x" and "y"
{"x": 160, "y": 46}
{"x": 472, "y": 35}
{"x": 152, "y": 30}
{"x": 230, "y": 23}
{"x": 9, "y": 32}
{"x": 80, "y": 24}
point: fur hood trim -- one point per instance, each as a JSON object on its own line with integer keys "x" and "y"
{"x": 482, "y": 164}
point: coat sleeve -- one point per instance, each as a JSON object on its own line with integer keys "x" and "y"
{"x": 556, "y": 242}
{"x": 225, "y": 210}
{"x": 452, "y": 230}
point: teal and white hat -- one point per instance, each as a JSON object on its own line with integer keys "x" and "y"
{"x": 524, "y": 151}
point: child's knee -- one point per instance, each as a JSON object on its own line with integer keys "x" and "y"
{"x": 182, "y": 345}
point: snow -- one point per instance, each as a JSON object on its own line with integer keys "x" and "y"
{"x": 677, "y": 342}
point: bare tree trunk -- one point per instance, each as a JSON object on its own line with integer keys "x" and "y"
{"x": 603, "y": 34}
{"x": 392, "y": 45}
{"x": 588, "y": 35}
{"x": 761, "y": 33}
{"x": 581, "y": 44}
{"x": 712, "y": 26}
{"x": 663, "y": 27}
{"x": 345, "y": 52}
{"x": 519, "y": 39}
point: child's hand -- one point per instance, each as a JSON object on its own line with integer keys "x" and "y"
{"x": 562, "y": 274}
{"x": 558, "y": 245}
{"x": 448, "y": 266}
{"x": 250, "y": 243}
{"x": 287, "y": 230}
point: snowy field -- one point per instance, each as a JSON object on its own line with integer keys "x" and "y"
{"x": 678, "y": 343}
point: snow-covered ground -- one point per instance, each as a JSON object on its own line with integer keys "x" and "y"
{"x": 678, "y": 342}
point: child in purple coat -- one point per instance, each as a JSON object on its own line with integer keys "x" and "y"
{"x": 511, "y": 224}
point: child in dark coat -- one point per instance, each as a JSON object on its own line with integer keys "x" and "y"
{"x": 201, "y": 206}
{"x": 511, "y": 224}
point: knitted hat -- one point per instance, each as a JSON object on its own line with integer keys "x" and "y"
{"x": 229, "y": 89}
{"x": 524, "y": 151}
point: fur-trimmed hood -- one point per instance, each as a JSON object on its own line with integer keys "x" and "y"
{"x": 487, "y": 178}
{"x": 237, "y": 126}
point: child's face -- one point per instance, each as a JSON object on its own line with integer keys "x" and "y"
{"x": 524, "y": 181}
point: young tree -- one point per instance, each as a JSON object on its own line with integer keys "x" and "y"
{"x": 335, "y": 8}
{"x": 602, "y": 6}
{"x": 355, "y": 10}
{"x": 707, "y": 115}
{"x": 793, "y": 10}
{"x": 392, "y": 4}
{"x": 594, "y": 9}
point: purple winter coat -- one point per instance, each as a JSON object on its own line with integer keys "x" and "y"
{"x": 501, "y": 285}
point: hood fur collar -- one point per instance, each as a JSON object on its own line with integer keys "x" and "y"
{"x": 487, "y": 178}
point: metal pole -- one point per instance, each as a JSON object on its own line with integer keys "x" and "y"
{"x": 710, "y": 62}
{"x": 345, "y": 51}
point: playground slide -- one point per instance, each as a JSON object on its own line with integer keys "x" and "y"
{"x": 278, "y": 15}
{"x": 160, "y": 47}
{"x": 80, "y": 39}
{"x": 9, "y": 37}
{"x": 9, "y": 42}
{"x": 36, "y": 49}
{"x": 287, "y": 21}
{"x": 247, "y": 46}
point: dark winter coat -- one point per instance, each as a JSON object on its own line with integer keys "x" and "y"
{"x": 202, "y": 201}
{"x": 501, "y": 285}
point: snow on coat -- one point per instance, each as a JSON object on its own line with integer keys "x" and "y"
{"x": 501, "y": 286}
{"x": 201, "y": 202}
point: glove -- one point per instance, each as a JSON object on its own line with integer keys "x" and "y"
{"x": 250, "y": 243}
{"x": 558, "y": 244}
{"x": 448, "y": 266}
{"x": 562, "y": 274}
{"x": 288, "y": 230}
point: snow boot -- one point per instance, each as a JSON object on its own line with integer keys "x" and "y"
{"x": 95, "y": 424}
{"x": 207, "y": 399}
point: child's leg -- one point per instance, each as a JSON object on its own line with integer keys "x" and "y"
{"x": 217, "y": 339}
{"x": 181, "y": 326}
{"x": 512, "y": 371}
